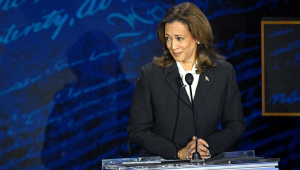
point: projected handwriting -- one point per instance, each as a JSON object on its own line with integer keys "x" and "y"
{"x": 280, "y": 32}
{"x": 134, "y": 34}
{"x": 29, "y": 118}
{"x": 290, "y": 47}
{"x": 156, "y": 14}
{"x": 243, "y": 51}
{"x": 54, "y": 18}
{"x": 107, "y": 136}
{"x": 249, "y": 95}
{"x": 36, "y": 1}
{"x": 295, "y": 62}
{"x": 247, "y": 62}
{"x": 82, "y": 105}
{"x": 149, "y": 37}
{"x": 130, "y": 18}
{"x": 61, "y": 64}
{"x": 247, "y": 74}
{"x": 90, "y": 7}
{"x": 19, "y": 85}
{"x": 114, "y": 80}
{"x": 95, "y": 57}
{"x": 10, "y": 4}
{"x": 58, "y": 66}
{"x": 282, "y": 98}
{"x": 232, "y": 10}
{"x": 241, "y": 37}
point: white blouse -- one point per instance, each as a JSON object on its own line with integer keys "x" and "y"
{"x": 182, "y": 74}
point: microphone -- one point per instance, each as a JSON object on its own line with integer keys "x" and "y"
{"x": 189, "y": 79}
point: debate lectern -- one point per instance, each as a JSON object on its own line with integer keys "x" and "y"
{"x": 227, "y": 160}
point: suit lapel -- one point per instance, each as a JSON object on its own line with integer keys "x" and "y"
{"x": 205, "y": 81}
{"x": 174, "y": 80}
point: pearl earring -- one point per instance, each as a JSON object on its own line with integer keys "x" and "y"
{"x": 198, "y": 42}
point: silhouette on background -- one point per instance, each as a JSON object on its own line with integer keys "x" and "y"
{"x": 89, "y": 118}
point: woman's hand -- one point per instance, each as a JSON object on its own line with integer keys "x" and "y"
{"x": 189, "y": 149}
{"x": 184, "y": 153}
{"x": 202, "y": 148}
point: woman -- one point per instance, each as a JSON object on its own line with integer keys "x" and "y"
{"x": 161, "y": 118}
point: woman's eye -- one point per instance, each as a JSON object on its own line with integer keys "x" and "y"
{"x": 179, "y": 38}
{"x": 167, "y": 38}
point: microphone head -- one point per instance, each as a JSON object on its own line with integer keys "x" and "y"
{"x": 189, "y": 78}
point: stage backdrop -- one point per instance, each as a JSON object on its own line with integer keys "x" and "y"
{"x": 68, "y": 70}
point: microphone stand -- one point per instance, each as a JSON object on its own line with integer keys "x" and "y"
{"x": 196, "y": 155}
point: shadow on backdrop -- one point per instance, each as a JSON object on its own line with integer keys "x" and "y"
{"x": 89, "y": 117}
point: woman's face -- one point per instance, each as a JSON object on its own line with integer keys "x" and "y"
{"x": 180, "y": 42}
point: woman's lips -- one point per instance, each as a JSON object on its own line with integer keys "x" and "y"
{"x": 177, "y": 54}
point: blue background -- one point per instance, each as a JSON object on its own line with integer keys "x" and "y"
{"x": 68, "y": 71}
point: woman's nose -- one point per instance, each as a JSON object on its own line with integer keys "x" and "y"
{"x": 174, "y": 45}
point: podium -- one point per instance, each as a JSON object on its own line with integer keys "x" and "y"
{"x": 227, "y": 160}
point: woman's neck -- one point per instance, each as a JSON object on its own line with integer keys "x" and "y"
{"x": 187, "y": 66}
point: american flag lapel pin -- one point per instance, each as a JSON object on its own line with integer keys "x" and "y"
{"x": 206, "y": 78}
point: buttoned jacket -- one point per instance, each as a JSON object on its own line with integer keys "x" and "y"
{"x": 161, "y": 119}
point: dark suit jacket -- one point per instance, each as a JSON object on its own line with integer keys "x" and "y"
{"x": 161, "y": 118}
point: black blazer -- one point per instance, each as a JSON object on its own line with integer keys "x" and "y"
{"x": 161, "y": 119}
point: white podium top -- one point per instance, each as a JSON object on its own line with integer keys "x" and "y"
{"x": 227, "y": 160}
